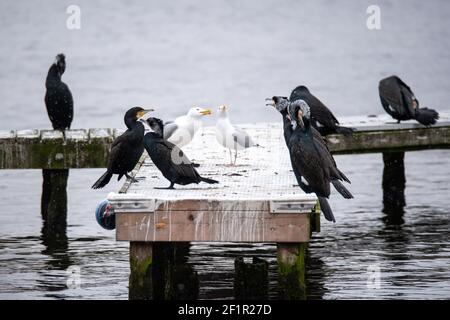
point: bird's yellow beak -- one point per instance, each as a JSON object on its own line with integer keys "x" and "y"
{"x": 205, "y": 112}
{"x": 142, "y": 113}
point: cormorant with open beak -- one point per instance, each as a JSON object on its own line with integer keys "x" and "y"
{"x": 169, "y": 159}
{"x": 58, "y": 98}
{"x": 400, "y": 102}
{"x": 126, "y": 149}
{"x": 312, "y": 161}
{"x": 282, "y": 104}
{"x": 321, "y": 117}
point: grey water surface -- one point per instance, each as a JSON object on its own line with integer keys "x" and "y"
{"x": 171, "y": 55}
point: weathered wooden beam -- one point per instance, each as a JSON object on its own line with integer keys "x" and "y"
{"x": 141, "y": 271}
{"x": 292, "y": 270}
{"x": 49, "y": 149}
{"x": 391, "y": 141}
{"x": 251, "y": 280}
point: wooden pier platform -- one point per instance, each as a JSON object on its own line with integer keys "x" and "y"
{"x": 255, "y": 201}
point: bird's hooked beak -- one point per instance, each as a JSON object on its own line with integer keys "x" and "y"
{"x": 205, "y": 112}
{"x": 142, "y": 113}
{"x": 300, "y": 119}
{"x": 270, "y": 102}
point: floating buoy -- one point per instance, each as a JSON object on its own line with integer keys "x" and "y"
{"x": 105, "y": 215}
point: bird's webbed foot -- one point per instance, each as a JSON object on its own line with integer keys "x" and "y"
{"x": 166, "y": 188}
{"x": 131, "y": 178}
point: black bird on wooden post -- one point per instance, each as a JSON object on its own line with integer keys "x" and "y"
{"x": 58, "y": 98}
{"x": 400, "y": 102}
{"x": 321, "y": 117}
{"x": 127, "y": 149}
{"x": 169, "y": 159}
{"x": 312, "y": 161}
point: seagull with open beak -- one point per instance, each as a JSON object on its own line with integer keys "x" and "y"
{"x": 182, "y": 130}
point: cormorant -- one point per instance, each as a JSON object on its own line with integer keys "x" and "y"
{"x": 58, "y": 98}
{"x": 127, "y": 149}
{"x": 230, "y": 136}
{"x": 321, "y": 117}
{"x": 282, "y": 104}
{"x": 312, "y": 161}
{"x": 399, "y": 101}
{"x": 182, "y": 130}
{"x": 169, "y": 159}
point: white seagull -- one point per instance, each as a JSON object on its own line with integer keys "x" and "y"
{"x": 230, "y": 136}
{"x": 182, "y": 130}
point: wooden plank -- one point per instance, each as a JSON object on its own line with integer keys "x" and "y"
{"x": 237, "y": 226}
{"x": 47, "y": 149}
{"x": 391, "y": 141}
{"x": 83, "y": 148}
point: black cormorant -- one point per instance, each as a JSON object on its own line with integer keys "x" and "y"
{"x": 312, "y": 161}
{"x": 282, "y": 104}
{"x": 169, "y": 159}
{"x": 126, "y": 149}
{"x": 58, "y": 98}
{"x": 399, "y": 101}
{"x": 321, "y": 117}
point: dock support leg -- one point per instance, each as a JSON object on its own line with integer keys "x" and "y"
{"x": 394, "y": 184}
{"x": 54, "y": 201}
{"x": 251, "y": 281}
{"x": 292, "y": 270}
{"x": 141, "y": 271}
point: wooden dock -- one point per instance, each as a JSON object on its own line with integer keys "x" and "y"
{"x": 255, "y": 201}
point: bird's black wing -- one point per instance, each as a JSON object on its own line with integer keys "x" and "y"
{"x": 396, "y": 97}
{"x": 321, "y": 113}
{"x": 177, "y": 161}
{"x": 306, "y": 160}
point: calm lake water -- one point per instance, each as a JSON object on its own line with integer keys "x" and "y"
{"x": 182, "y": 53}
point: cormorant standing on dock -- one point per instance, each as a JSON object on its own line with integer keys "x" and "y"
{"x": 58, "y": 98}
{"x": 282, "y": 105}
{"x": 312, "y": 161}
{"x": 399, "y": 101}
{"x": 126, "y": 149}
{"x": 321, "y": 117}
{"x": 169, "y": 159}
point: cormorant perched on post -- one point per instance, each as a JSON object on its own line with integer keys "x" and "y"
{"x": 321, "y": 117}
{"x": 312, "y": 161}
{"x": 126, "y": 149}
{"x": 399, "y": 101}
{"x": 282, "y": 104}
{"x": 169, "y": 159}
{"x": 58, "y": 98}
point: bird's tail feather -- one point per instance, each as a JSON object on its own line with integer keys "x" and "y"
{"x": 207, "y": 180}
{"x": 341, "y": 189}
{"x": 326, "y": 209}
{"x": 426, "y": 116}
{"x": 343, "y": 176}
{"x": 344, "y": 130}
{"x": 103, "y": 180}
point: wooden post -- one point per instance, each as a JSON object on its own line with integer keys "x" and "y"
{"x": 394, "y": 184}
{"x": 141, "y": 267}
{"x": 54, "y": 201}
{"x": 291, "y": 270}
{"x": 159, "y": 271}
{"x": 251, "y": 281}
